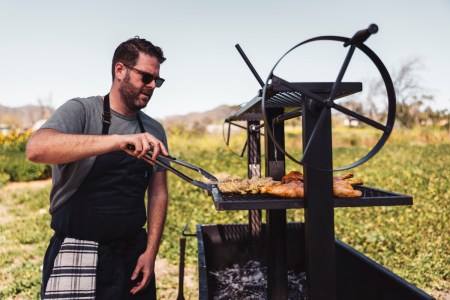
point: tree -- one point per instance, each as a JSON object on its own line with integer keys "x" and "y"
{"x": 410, "y": 94}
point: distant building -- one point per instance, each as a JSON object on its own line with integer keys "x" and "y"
{"x": 38, "y": 125}
{"x": 350, "y": 122}
{"x": 5, "y": 129}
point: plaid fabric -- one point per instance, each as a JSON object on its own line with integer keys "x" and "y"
{"x": 74, "y": 271}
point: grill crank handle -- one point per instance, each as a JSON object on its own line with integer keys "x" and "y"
{"x": 362, "y": 35}
{"x": 182, "y": 262}
{"x": 181, "y": 269}
{"x": 183, "y": 231}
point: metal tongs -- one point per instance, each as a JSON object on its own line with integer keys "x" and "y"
{"x": 163, "y": 161}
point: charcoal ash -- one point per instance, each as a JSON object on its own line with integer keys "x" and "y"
{"x": 250, "y": 283}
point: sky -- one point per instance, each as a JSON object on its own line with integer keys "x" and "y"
{"x": 54, "y": 50}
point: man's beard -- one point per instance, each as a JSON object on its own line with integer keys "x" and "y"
{"x": 130, "y": 95}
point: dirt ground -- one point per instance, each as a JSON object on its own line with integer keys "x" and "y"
{"x": 168, "y": 282}
{"x": 29, "y": 185}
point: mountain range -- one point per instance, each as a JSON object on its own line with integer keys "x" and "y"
{"x": 27, "y": 116}
{"x": 24, "y": 116}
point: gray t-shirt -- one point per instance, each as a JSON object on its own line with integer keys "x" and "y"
{"x": 84, "y": 116}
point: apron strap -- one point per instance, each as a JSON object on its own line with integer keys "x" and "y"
{"x": 106, "y": 117}
{"x": 141, "y": 126}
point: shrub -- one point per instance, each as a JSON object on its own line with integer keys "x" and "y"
{"x": 15, "y": 166}
{"x": 18, "y": 168}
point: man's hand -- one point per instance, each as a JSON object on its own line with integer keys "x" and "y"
{"x": 142, "y": 142}
{"x": 145, "y": 266}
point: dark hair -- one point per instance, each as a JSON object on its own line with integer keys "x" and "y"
{"x": 128, "y": 52}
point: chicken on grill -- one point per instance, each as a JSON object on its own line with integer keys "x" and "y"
{"x": 293, "y": 189}
{"x": 292, "y": 176}
{"x": 344, "y": 189}
{"x": 291, "y": 186}
{"x": 237, "y": 185}
{"x": 343, "y": 177}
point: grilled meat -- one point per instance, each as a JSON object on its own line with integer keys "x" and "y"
{"x": 343, "y": 189}
{"x": 237, "y": 185}
{"x": 291, "y": 186}
{"x": 293, "y": 189}
{"x": 292, "y": 176}
{"x": 342, "y": 177}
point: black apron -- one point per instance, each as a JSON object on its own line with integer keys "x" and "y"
{"x": 108, "y": 208}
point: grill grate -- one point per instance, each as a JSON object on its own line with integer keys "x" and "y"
{"x": 371, "y": 197}
{"x": 285, "y": 99}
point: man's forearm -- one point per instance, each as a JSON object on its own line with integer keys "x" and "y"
{"x": 53, "y": 147}
{"x": 157, "y": 212}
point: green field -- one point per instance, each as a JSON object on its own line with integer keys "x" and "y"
{"x": 412, "y": 241}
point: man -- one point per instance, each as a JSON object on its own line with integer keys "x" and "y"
{"x": 96, "y": 147}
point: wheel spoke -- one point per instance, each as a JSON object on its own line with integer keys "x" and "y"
{"x": 360, "y": 117}
{"x": 228, "y": 133}
{"x": 335, "y": 87}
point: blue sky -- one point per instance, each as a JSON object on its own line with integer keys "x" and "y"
{"x": 54, "y": 50}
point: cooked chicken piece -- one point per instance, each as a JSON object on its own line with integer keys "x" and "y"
{"x": 342, "y": 177}
{"x": 292, "y": 176}
{"x": 357, "y": 181}
{"x": 237, "y": 185}
{"x": 256, "y": 183}
{"x": 298, "y": 176}
{"x": 343, "y": 189}
{"x": 233, "y": 184}
{"x": 293, "y": 189}
{"x": 347, "y": 176}
{"x": 232, "y": 178}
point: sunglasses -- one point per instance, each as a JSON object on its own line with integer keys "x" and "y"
{"x": 147, "y": 77}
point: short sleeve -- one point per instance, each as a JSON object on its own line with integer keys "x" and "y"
{"x": 68, "y": 118}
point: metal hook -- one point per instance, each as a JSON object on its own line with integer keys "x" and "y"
{"x": 183, "y": 232}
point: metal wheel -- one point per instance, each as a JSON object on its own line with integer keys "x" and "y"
{"x": 328, "y": 103}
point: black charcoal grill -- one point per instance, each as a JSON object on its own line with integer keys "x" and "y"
{"x": 333, "y": 269}
{"x": 357, "y": 277}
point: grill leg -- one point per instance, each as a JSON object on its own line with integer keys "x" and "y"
{"x": 277, "y": 286}
{"x": 319, "y": 210}
{"x": 254, "y": 169}
{"x": 254, "y": 221}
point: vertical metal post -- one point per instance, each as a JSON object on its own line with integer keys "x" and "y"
{"x": 277, "y": 287}
{"x": 254, "y": 169}
{"x": 319, "y": 206}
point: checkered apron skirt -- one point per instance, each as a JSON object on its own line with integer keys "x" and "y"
{"x": 74, "y": 271}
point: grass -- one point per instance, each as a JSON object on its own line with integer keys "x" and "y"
{"x": 413, "y": 242}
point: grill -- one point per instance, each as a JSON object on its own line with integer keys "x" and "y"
{"x": 333, "y": 269}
